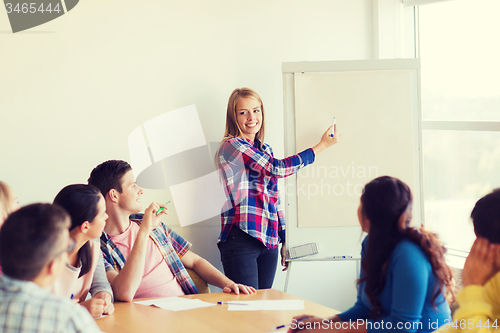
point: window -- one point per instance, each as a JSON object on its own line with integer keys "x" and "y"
{"x": 460, "y": 63}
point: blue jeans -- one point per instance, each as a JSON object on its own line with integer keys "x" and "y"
{"x": 247, "y": 261}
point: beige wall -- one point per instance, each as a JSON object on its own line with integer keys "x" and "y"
{"x": 72, "y": 90}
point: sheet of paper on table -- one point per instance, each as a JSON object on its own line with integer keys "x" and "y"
{"x": 176, "y": 303}
{"x": 285, "y": 304}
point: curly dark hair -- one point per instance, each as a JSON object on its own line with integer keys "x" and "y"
{"x": 386, "y": 202}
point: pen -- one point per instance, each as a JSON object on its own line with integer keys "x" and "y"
{"x": 232, "y": 303}
{"x": 342, "y": 257}
{"x": 333, "y": 128}
{"x": 161, "y": 208}
{"x": 286, "y": 325}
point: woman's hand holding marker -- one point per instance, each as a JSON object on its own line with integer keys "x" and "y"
{"x": 327, "y": 140}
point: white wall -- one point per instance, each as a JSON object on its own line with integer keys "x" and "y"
{"x": 71, "y": 90}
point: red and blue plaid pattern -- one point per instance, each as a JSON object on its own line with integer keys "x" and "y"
{"x": 250, "y": 176}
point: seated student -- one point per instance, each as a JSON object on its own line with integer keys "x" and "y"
{"x": 126, "y": 244}
{"x": 84, "y": 270}
{"x": 33, "y": 251}
{"x": 403, "y": 276}
{"x": 8, "y": 202}
{"x": 479, "y": 300}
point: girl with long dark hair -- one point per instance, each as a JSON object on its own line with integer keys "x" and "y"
{"x": 404, "y": 277}
{"x": 84, "y": 271}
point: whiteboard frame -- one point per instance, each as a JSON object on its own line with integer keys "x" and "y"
{"x": 289, "y": 69}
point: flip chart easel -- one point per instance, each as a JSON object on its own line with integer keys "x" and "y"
{"x": 377, "y": 108}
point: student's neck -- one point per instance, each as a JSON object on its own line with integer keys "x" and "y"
{"x": 248, "y": 138}
{"x": 43, "y": 281}
{"x": 118, "y": 221}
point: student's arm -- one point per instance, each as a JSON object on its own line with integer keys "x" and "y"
{"x": 282, "y": 234}
{"x": 326, "y": 140}
{"x": 212, "y": 275}
{"x": 127, "y": 281}
{"x": 100, "y": 289}
{"x": 99, "y": 281}
{"x": 266, "y": 163}
{"x": 479, "y": 297}
{"x": 239, "y": 153}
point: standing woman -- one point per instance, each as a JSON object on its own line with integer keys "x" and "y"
{"x": 253, "y": 222}
{"x": 404, "y": 276}
{"x": 84, "y": 270}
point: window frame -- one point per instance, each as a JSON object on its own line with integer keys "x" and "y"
{"x": 455, "y": 257}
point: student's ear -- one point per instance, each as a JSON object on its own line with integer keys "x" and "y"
{"x": 113, "y": 195}
{"x": 84, "y": 227}
{"x": 365, "y": 224}
{"x": 51, "y": 267}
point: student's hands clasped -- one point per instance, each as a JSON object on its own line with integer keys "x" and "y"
{"x": 480, "y": 265}
{"x": 99, "y": 305}
{"x": 108, "y": 307}
{"x": 237, "y": 287}
{"x": 327, "y": 140}
{"x": 150, "y": 220}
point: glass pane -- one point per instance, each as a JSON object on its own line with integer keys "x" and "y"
{"x": 459, "y": 58}
{"x": 459, "y": 168}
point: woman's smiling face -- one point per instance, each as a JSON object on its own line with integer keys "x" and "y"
{"x": 249, "y": 117}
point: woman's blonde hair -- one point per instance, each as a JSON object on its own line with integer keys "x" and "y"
{"x": 232, "y": 127}
{"x": 4, "y": 201}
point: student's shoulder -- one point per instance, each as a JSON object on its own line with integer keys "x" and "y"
{"x": 234, "y": 142}
{"x": 407, "y": 246}
{"x": 408, "y": 250}
{"x": 165, "y": 228}
{"x": 409, "y": 259}
{"x": 57, "y": 313}
{"x": 170, "y": 234}
{"x": 492, "y": 289}
{"x": 63, "y": 307}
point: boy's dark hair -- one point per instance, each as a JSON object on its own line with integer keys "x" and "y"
{"x": 486, "y": 217}
{"x": 108, "y": 175}
{"x": 29, "y": 238}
